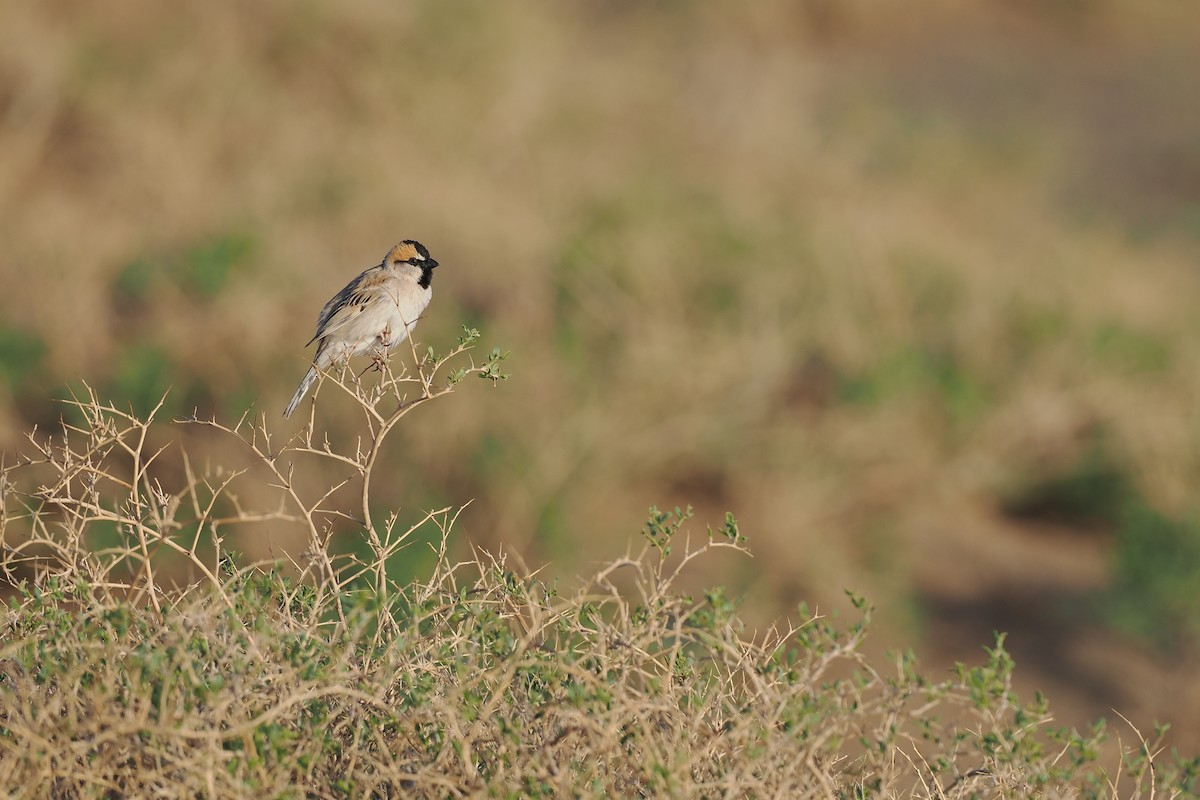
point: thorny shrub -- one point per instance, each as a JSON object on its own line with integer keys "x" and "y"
{"x": 327, "y": 678}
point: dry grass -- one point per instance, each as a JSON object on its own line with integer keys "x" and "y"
{"x": 325, "y": 677}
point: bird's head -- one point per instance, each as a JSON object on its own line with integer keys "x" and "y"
{"x": 412, "y": 254}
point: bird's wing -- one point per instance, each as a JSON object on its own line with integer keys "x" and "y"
{"x": 345, "y": 306}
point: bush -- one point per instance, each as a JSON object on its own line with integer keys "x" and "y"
{"x": 327, "y": 678}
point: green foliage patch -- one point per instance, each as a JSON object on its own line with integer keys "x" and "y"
{"x": 21, "y": 354}
{"x": 1155, "y": 559}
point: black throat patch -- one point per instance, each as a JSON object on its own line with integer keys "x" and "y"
{"x": 426, "y": 277}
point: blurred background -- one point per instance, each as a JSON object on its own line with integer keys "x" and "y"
{"x": 914, "y": 292}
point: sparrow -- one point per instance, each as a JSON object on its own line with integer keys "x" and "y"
{"x": 374, "y": 313}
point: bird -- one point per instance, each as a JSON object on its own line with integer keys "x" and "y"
{"x": 374, "y": 313}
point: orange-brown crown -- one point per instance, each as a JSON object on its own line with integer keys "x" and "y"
{"x": 408, "y": 250}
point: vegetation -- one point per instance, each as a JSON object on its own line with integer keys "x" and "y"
{"x": 910, "y": 289}
{"x": 327, "y": 677}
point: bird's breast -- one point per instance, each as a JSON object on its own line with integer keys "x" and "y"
{"x": 411, "y": 301}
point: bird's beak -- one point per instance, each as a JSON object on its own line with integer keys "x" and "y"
{"x": 429, "y": 262}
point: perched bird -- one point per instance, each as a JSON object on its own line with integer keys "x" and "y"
{"x": 374, "y": 313}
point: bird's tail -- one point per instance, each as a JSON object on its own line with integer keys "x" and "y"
{"x": 305, "y": 384}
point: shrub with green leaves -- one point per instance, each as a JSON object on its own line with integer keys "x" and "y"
{"x": 325, "y": 677}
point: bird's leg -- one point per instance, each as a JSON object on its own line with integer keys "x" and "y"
{"x": 378, "y": 361}
{"x": 379, "y": 357}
